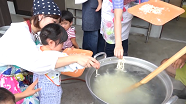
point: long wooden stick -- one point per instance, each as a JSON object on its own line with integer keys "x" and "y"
{"x": 158, "y": 70}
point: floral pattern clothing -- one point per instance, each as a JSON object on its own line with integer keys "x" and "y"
{"x": 16, "y": 80}
{"x": 33, "y": 99}
{"x": 11, "y": 78}
{"x": 107, "y": 22}
{"x": 11, "y": 84}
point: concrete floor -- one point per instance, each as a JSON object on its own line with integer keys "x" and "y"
{"x": 76, "y": 92}
{"x": 175, "y": 30}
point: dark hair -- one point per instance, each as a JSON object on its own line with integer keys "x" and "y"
{"x": 54, "y": 32}
{"x": 36, "y": 21}
{"x": 66, "y": 15}
{"x": 6, "y": 95}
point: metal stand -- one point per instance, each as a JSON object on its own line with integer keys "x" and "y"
{"x": 75, "y": 14}
{"x": 148, "y": 31}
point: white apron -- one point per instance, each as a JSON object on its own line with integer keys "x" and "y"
{"x": 107, "y": 22}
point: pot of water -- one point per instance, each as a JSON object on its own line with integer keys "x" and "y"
{"x": 107, "y": 85}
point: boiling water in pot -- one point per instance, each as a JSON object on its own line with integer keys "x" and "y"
{"x": 111, "y": 83}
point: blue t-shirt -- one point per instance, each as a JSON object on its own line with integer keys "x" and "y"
{"x": 117, "y": 4}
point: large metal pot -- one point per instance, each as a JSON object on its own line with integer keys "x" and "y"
{"x": 137, "y": 67}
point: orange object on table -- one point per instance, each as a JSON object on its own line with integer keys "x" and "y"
{"x": 168, "y": 13}
{"x": 70, "y": 51}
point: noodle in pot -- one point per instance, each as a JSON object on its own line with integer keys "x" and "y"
{"x": 109, "y": 88}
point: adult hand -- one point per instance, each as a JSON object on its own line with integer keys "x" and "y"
{"x": 99, "y": 5}
{"x": 88, "y": 61}
{"x": 178, "y": 63}
{"x": 118, "y": 51}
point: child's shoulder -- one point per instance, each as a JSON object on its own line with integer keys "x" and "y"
{"x": 72, "y": 28}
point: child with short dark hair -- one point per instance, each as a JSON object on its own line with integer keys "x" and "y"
{"x": 6, "y": 97}
{"x": 66, "y": 23}
{"x": 52, "y": 37}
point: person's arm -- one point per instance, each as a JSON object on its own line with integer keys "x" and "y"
{"x": 179, "y": 63}
{"x": 18, "y": 48}
{"x": 83, "y": 60}
{"x": 71, "y": 67}
{"x": 184, "y": 57}
{"x": 118, "y": 11}
{"x": 28, "y": 92}
{"x": 73, "y": 40}
{"x": 99, "y": 5}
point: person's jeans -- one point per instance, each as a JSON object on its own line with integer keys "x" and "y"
{"x": 109, "y": 48}
{"x": 93, "y": 40}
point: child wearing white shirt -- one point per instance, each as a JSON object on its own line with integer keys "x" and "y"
{"x": 52, "y": 37}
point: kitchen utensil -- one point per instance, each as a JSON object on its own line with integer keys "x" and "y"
{"x": 158, "y": 70}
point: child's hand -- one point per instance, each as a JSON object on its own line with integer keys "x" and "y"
{"x": 72, "y": 47}
{"x": 30, "y": 90}
{"x": 87, "y": 61}
{"x": 99, "y": 5}
{"x": 118, "y": 52}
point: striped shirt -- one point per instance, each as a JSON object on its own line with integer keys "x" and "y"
{"x": 71, "y": 34}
